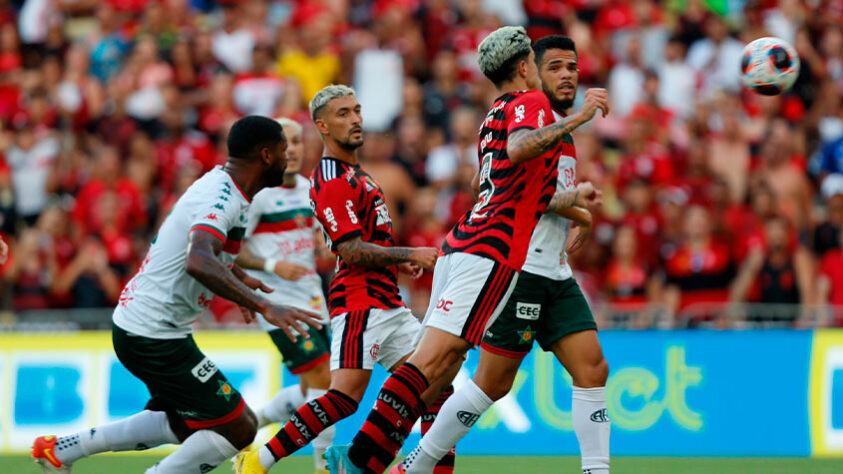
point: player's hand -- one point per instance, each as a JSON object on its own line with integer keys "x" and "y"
{"x": 255, "y": 284}
{"x": 595, "y": 99}
{"x": 290, "y": 271}
{"x": 425, "y": 257}
{"x": 412, "y": 269}
{"x": 581, "y": 231}
{"x": 248, "y": 314}
{"x": 4, "y": 251}
{"x": 588, "y": 195}
{"x": 287, "y": 319}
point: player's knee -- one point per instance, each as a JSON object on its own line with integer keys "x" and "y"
{"x": 593, "y": 374}
{"x": 497, "y": 389}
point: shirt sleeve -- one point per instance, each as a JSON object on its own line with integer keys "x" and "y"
{"x": 336, "y": 213}
{"x": 529, "y": 111}
{"x": 218, "y": 215}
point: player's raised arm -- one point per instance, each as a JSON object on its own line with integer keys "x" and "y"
{"x": 357, "y": 252}
{"x": 524, "y": 144}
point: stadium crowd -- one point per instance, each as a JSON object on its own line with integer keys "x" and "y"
{"x": 111, "y": 108}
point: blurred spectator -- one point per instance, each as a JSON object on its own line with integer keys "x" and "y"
{"x": 312, "y": 62}
{"x": 779, "y": 274}
{"x": 717, "y": 58}
{"x": 677, "y": 81}
{"x": 30, "y": 157}
{"x": 827, "y": 233}
{"x": 444, "y": 161}
{"x": 699, "y": 271}
{"x": 258, "y": 91}
{"x": 626, "y": 82}
{"x": 628, "y": 281}
{"x": 234, "y": 42}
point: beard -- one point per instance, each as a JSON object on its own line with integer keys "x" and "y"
{"x": 351, "y": 144}
{"x": 560, "y": 105}
{"x": 275, "y": 176}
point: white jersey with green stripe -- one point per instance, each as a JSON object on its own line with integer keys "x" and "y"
{"x": 282, "y": 227}
{"x": 546, "y": 256}
{"x": 162, "y": 301}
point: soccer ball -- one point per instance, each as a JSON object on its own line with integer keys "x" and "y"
{"x": 769, "y": 66}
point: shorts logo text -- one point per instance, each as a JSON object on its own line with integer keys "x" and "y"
{"x": 204, "y": 370}
{"x": 528, "y": 311}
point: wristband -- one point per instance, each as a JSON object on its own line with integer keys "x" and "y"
{"x": 269, "y": 265}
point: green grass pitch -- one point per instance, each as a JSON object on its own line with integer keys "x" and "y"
{"x": 111, "y": 464}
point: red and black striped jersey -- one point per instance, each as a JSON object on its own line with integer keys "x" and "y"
{"x": 348, "y": 203}
{"x": 513, "y": 196}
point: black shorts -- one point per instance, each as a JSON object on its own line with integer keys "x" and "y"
{"x": 539, "y": 309}
{"x": 180, "y": 379}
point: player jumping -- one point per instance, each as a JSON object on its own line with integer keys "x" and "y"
{"x": 281, "y": 240}
{"x": 369, "y": 322}
{"x": 547, "y": 305}
{"x": 486, "y": 249}
{"x": 189, "y": 261}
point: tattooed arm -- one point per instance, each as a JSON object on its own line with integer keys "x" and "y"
{"x": 525, "y": 145}
{"x": 584, "y": 195}
{"x": 356, "y": 252}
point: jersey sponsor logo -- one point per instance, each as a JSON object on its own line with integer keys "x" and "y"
{"x": 444, "y": 305}
{"x": 204, "y": 370}
{"x": 541, "y": 119}
{"x": 329, "y": 216}
{"x": 528, "y": 311}
{"x": 467, "y": 418}
{"x": 519, "y": 113}
{"x": 600, "y": 416}
{"x": 374, "y": 351}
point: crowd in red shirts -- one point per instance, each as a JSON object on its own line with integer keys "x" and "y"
{"x": 110, "y": 109}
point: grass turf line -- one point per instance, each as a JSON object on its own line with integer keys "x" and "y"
{"x": 487, "y": 465}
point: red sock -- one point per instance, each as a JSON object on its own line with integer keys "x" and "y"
{"x": 309, "y": 420}
{"x": 446, "y": 464}
{"x": 389, "y": 422}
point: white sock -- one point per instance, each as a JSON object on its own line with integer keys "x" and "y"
{"x": 266, "y": 458}
{"x": 200, "y": 453}
{"x": 325, "y": 439}
{"x": 454, "y": 420}
{"x": 282, "y": 406}
{"x": 144, "y": 430}
{"x": 592, "y": 426}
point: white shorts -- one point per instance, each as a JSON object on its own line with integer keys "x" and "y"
{"x": 468, "y": 294}
{"x": 361, "y": 338}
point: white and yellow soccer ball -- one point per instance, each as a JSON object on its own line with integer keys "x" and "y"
{"x": 769, "y": 66}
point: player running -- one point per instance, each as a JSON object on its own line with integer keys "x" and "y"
{"x": 189, "y": 261}
{"x": 486, "y": 249}
{"x": 369, "y": 322}
{"x": 547, "y": 305}
{"x": 281, "y": 240}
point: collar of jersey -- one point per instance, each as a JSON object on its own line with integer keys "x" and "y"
{"x": 236, "y": 184}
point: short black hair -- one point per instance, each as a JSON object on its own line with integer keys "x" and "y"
{"x": 508, "y": 69}
{"x": 249, "y": 134}
{"x": 553, "y": 42}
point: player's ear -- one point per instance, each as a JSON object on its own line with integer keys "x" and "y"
{"x": 321, "y": 125}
